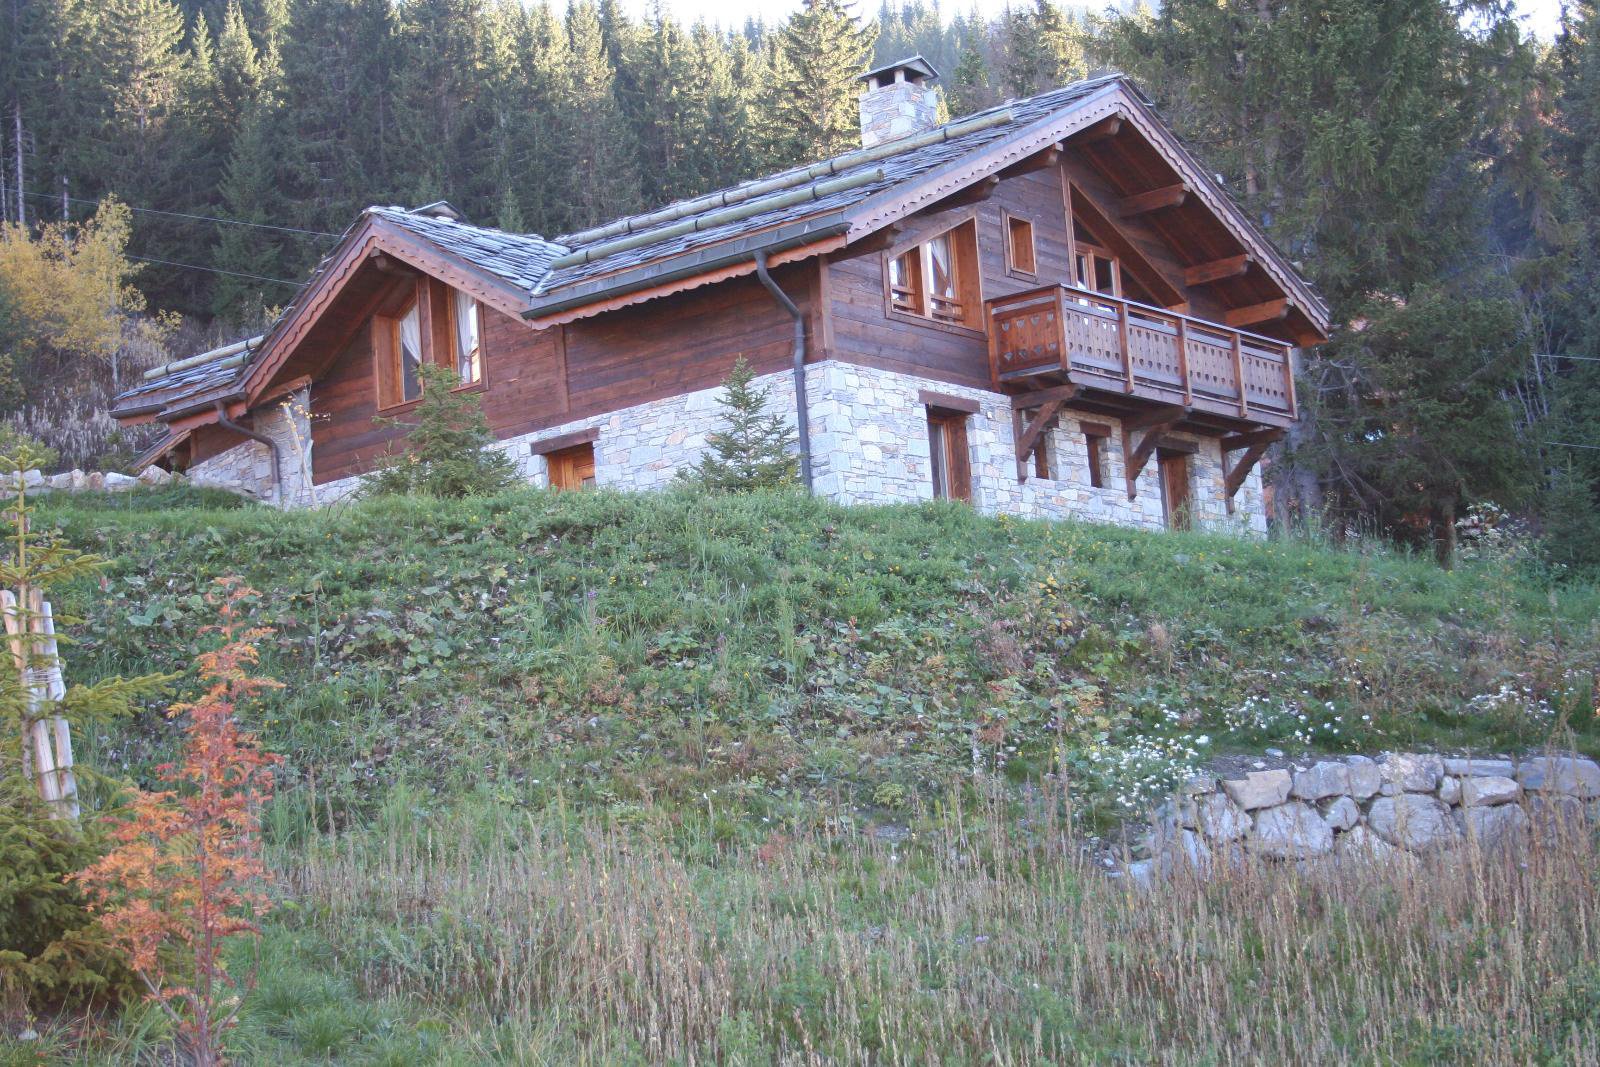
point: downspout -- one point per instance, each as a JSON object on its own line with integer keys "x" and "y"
{"x": 277, "y": 455}
{"x": 802, "y": 418}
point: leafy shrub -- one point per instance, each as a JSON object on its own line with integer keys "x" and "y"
{"x": 448, "y": 451}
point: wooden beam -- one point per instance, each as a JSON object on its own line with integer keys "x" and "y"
{"x": 1178, "y": 444}
{"x": 1267, "y": 311}
{"x": 390, "y": 265}
{"x": 1038, "y": 161}
{"x": 1236, "y": 441}
{"x": 1100, "y": 131}
{"x": 1040, "y": 397}
{"x": 1035, "y": 428}
{"x": 1217, "y": 269}
{"x": 1134, "y": 457}
{"x": 976, "y": 193}
{"x": 948, "y": 402}
{"x": 1165, "y": 415}
{"x": 1153, "y": 200}
{"x": 1240, "y": 470}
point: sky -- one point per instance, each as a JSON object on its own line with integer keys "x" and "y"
{"x": 1541, "y": 17}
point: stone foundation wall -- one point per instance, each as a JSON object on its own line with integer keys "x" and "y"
{"x": 1399, "y": 803}
{"x": 247, "y": 468}
{"x": 869, "y": 442}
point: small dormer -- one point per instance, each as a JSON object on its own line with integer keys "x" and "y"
{"x": 899, "y": 99}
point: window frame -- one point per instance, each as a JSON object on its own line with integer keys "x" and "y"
{"x": 456, "y": 295}
{"x": 949, "y": 453}
{"x": 1009, "y": 224}
{"x": 1087, "y": 250}
{"x": 388, "y": 352}
{"x": 965, "y": 267}
{"x": 1096, "y": 438}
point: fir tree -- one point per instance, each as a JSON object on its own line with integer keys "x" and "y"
{"x": 603, "y": 159}
{"x": 754, "y": 449}
{"x": 811, "y": 109}
{"x": 448, "y": 449}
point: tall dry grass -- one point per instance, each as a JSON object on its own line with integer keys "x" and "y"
{"x": 986, "y": 938}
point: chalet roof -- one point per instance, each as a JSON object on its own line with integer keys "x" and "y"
{"x": 896, "y": 163}
{"x": 520, "y": 259}
{"x": 844, "y": 198}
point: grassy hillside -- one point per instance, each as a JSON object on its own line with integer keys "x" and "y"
{"x": 616, "y": 650}
{"x": 599, "y": 778}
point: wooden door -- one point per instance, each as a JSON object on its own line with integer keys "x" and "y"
{"x": 571, "y": 468}
{"x": 950, "y": 453}
{"x": 1175, "y": 488}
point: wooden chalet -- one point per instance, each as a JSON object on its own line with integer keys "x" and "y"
{"x": 1048, "y": 308}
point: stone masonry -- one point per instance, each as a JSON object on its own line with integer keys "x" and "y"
{"x": 869, "y": 444}
{"x": 1367, "y": 809}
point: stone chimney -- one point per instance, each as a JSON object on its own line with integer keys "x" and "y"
{"x": 899, "y": 100}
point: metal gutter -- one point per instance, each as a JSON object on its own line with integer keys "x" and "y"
{"x": 254, "y": 435}
{"x": 801, "y": 414}
{"x": 720, "y": 255}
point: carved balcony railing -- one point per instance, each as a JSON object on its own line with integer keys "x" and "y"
{"x": 1103, "y": 342}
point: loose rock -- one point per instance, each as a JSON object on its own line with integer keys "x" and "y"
{"x": 1342, "y": 814}
{"x": 1414, "y": 821}
{"x": 1219, "y": 819}
{"x": 1259, "y": 789}
{"x": 1496, "y": 825}
{"x": 1326, "y": 779}
{"x": 1561, "y": 774}
{"x": 1405, "y": 772}
{"x": 1467, "y": 768}
{"x": 1450, "y": 789}
{"x": 1486, "y": 792}
{"x": 1291, "y": 831}
{"x": 1365, "y": 777}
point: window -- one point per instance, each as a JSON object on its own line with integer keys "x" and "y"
{"x": 469, "y": 348}
{"x": 1096, "y": 436}
{"x": 952, "y": 460}
{"x": 938, "y": 279}
{"x": 397, "y": 339}
{"x": 1020, "y": 256}
{"x": 1097, "y": 269}
{"x": 425, "y": 321}
{"x": 571, "y": 468}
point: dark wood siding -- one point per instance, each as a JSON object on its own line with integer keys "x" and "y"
{"x": 539, "y": 378}
{"x": 862, "y": 330}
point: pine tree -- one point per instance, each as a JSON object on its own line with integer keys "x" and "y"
{"x": 811, "y": 108}
{"x": 753, "y": 450}
{"x": 969, "y": 90}
{"x": 603, "y": 158}
{"x": 448, "y": 449}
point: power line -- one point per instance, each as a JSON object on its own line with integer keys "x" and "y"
{"x": 185, "y": 215}
{"x": 1558, "y": 355}
{"x": 1573, "y": 444}
{"x": 215, "y": 270}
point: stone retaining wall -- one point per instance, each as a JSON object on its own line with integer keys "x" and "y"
{"x": 1378, "y": 808}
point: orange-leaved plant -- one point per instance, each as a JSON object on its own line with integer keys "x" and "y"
{"x": 186, "y": 873}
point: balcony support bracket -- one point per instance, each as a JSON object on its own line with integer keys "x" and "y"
{"x": 1254, "y": 446}
{"x": 1030, "y": 430}
{"x": 1149, "y": 428}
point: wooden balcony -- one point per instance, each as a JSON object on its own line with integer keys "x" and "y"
{"x": 1060, "y": 335}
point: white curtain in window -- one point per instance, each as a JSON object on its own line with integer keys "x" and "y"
{"x": 944, "y": 278}
{"x": 410, "y": 354}
{"x": 469, "y": 353}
